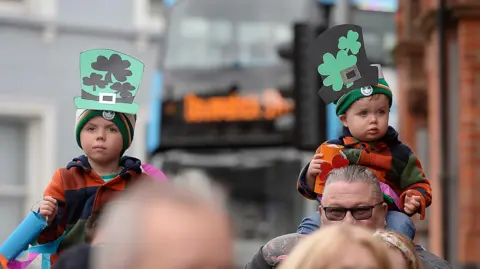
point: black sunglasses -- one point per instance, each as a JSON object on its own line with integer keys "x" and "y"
{"x": 335, "y": 213}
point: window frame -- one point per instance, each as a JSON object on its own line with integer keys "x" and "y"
{"x": 41, "y": 147}
{"x": 143, "y": 19}
{"x": 41, "y": 8}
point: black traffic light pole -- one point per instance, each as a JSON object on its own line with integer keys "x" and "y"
{"x": 309, "y": 109}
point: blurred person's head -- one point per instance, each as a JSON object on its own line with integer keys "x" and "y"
{"x": 400, "y": 250}
{"x": 155, "y": 225}
{"x": 352, "y": 195}
{"x": 338, "y": 247}
{"x": 365, "y": 111}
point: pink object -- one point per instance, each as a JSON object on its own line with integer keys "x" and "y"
{"x": 23, "y": 264}
{"x": 388, "y": 191}
{"x": 154, "y": 172}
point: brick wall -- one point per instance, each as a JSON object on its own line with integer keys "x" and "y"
{"x": 469, "y": 138}
{"x": 410, "y": 54}
{"x": 465, "y": 29}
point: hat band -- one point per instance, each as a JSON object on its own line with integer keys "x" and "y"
{"x": 89, "y": 96}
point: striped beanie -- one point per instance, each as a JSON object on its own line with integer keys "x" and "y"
{"x": 382, "y": 87}
{"x": 125, "y": 123}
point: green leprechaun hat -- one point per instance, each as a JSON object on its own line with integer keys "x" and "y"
{"x": 110, "y": 81}
{"x": 382, "y": 87}
{"x": 342, "y": 62}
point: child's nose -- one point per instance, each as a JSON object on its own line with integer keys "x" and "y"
{"x": 101, "y": 135}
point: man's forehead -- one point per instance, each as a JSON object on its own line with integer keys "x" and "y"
{"x": 347, "y": 192}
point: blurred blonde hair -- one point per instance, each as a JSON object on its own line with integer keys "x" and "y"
{"x": 124, "y": 216}
{"x": 320, "y": 249}
{"x": 403, "y": 244}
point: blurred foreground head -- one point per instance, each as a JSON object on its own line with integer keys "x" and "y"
{"x": 401, "y": 250}
{"x": 157, "y": 225}
{"x": 338, "y": 246}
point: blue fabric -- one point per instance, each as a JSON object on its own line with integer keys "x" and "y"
{"x": 396, "y": 221}
{"x": 309, "y": 224}
{"x": 22, "y": 236}
{"x": 399, "y": 222}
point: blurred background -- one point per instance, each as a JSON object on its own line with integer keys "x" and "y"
{"x": 229, "y": 101}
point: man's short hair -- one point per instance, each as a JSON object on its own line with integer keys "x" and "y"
{"x": 355, "y": 173}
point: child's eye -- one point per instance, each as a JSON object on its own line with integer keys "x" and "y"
{"x": 90, "y": 129}
{"x": 363, "y": 113}
{"x": 381, "y": 112}
{"x": 113, "y": 130}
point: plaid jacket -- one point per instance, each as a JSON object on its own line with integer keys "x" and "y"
{"x": 392, "y": 161}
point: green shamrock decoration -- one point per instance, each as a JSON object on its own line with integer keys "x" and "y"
{"x": 332, "y": 67}
{"x": 350, "y": 42}
{"x": 110, "y": 81}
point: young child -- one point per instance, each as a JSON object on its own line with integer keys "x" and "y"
{"x": 368, "y": 140}
{"x": 104, "y": 132}
{"x": 363, "y": 99}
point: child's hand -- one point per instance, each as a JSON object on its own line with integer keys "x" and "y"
{"x": 48, "y": 208}
{"x": 314, "y": 170}
{"x": 412, "y": 202}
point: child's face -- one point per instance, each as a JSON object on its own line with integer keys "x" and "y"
{"x": 101, "y": 140}
{"x": 367, "y": 118}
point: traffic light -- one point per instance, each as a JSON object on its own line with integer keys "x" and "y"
{"x": 310, "y": 112}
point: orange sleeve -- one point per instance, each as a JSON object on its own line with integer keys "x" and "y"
{"x": 3, "y": 262}
{"x": 57, "y": 227}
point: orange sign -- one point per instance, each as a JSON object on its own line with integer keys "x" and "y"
{"x": 236, "y": 108}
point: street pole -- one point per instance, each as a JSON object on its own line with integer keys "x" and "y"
{"x": 445, "y": 173}
{"x": 341, "y": 12}
{"x": 154, "y": 124}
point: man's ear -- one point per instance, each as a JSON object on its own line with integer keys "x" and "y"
{"x": 384, "y": 210}
{"x": 343, "y": 119}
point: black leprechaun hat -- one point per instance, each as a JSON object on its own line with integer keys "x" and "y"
{"x": 342, "y": 62}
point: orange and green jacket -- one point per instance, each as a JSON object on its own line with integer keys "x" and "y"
{"x": 392, "y": 161}
{"x": 79, "y": 191}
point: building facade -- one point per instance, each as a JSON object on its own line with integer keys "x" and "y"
{"x": 439, "y": 111}
{"x": 39, "y": 50}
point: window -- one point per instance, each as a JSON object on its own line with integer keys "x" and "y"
{"x": 40, "y": 8}
{"x": 157, "y": 9}
{"x": 13, "y": 6}
{"x": 27, "y": 139}
{"x": 229, "y": 33}
{"x": 13, "y": 183}
{"x": 149, "y": 15}
{"x": 414, "y": 9}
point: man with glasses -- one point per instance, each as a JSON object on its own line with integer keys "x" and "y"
{"x": 352, "y": 195}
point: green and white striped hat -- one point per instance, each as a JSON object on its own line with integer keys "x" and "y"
{"x": 344, "y": 102}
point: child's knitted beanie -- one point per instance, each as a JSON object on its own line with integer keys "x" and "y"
{"x": 125, "y": 123}
{"x": 344, "y": 102}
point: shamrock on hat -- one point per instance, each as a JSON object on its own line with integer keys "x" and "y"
{"x": 110, "y": 81}
{"x": 342, "y": 62}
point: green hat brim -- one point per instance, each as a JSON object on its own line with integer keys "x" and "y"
{"x": 344, "y": 103}
{"x": 95, "y": 105}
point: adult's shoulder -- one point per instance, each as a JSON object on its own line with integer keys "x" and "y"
{"x": 430, "y": 260}
{"x": 275, "y": 251}
{"x": 76, "y": 257}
